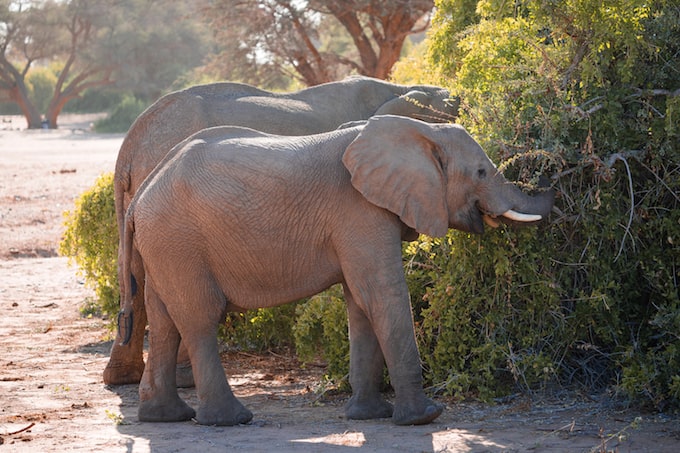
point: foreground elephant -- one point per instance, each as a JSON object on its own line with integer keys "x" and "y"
{"x": 178, "y": 115}
{"x": 236, "y": 223}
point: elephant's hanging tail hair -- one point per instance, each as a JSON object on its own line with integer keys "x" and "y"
{"x": 129, "y": 285}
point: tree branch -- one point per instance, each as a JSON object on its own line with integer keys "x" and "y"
{"x": 656, "y": 92}
{"x": 319, "y": 69}
{"x": 350, "y": 21}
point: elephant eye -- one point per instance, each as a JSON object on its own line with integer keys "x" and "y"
{"x": 481, "y": 173}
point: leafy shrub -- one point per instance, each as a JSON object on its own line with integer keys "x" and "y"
{"x": 587, "y": 93}
{"x": 91, "y": 241}
{"x": 94, "y": 101}
{"x": 260, "y": 330}
{"x": 487, "y": 325}
{"x": 122, "y": 116}
{"x": 320, "y": 332}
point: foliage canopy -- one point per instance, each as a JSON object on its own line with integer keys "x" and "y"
{"x": 313, "y": 41}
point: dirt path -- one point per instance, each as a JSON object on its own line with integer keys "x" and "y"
{"x": 51, "y": 359}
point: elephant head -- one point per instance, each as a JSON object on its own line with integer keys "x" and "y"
{"x": 427, "y": 103}
{"x": 435, "y": 177}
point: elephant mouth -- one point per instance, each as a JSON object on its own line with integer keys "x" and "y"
{"x": 494, "y": 220}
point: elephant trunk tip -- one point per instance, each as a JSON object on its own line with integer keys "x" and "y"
{"x": 546, "y": 201}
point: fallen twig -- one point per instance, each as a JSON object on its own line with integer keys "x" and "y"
{"x": 618, "y": 435}
{"x": 568, "y": 429}
{"x": 13, "y": 433}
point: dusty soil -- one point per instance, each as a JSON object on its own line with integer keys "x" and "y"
{"x": 51, "y": 359}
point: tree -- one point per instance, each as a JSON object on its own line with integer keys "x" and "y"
{"x": 16, "y": 21}
{"x": 96, "y": 42}
{"x": 264, "y": 40}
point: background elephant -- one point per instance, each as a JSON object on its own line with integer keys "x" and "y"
{"x": 266, "y": 220}
{"x": 178, "y": 115}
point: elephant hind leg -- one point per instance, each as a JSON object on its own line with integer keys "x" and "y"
{"x": 366, "y": 367}
{"x": 185, "y": 374}
{"x": 126, "y": 363}
{"x": 217, "y": 403}
{"x": 122, "y": 372}
{"x": 158, "y": 398}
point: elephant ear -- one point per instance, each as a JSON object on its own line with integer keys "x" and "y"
{"x": 406, "y": 104}
{"x": 396, "y": 165}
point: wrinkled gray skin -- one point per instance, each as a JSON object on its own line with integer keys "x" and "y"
{"x": 178, "y": 115}
{"x": 237, "y": 223}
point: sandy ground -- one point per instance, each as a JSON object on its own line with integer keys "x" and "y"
{"x": 51, "y": 359}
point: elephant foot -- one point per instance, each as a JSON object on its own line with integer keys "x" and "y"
{"x": 185, "y": 375}
{"x": 422, "y": 414}
{"x": 175, "y": 411}
{"x": 234, "y": 414}
{"x": 117, "y": 373}
{"x": 367, "y": 408}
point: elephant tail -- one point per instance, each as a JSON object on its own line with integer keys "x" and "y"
{"x": 128, "y": 283}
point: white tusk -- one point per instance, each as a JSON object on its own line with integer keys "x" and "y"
{"x": 519, "y": 217}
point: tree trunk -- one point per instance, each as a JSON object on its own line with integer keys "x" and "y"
{"x": 19, "y": 94}
{"x": 54, "y": 109}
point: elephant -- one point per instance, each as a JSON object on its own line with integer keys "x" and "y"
{"x": 177, "y": 115}
{"x": 236, "y": 219}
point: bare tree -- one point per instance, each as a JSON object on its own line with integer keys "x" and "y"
{"x": 263, "y": 40}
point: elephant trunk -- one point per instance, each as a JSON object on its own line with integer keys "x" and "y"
{"x": 522, "y": 204}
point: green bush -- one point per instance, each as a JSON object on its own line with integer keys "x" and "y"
{"x": 487, "y": 324}
{"x": 260, "y": 330}
{"x": 587, "y": 93}
{"x": 320, "y": 332}
{"x": 122, "y": 116}
{"x": 91, "y": 241}
{"x": 94, "y": 101}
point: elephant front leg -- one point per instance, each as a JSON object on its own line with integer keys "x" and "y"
{"x": 365, "y": 367}
{"x": 385, "y": 302}
{"x": 158, "y": 398}
{"x": 398, "y": 342}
